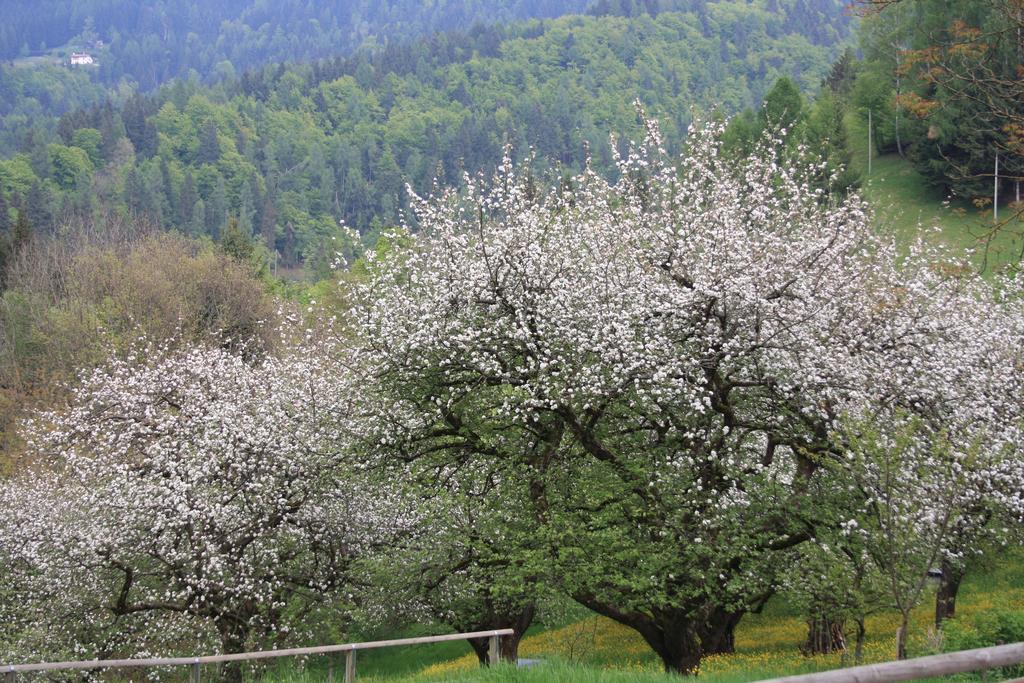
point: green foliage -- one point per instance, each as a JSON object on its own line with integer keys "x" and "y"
{"x": 236, "y": 243}
{"x": 825, "y": 132}
{"x": 820, "y": 126}
{"x": 783, "y": 105}
{"x": 985, "y": 629}
{"x": 873, "y": 92}
{"x": 90, "y": 141}
{"x": 16, "y": 175}
{"x": 30, "y": 96}
{"x": 292, "y": 150}
{"x": 5, "y": 215}
{"x": 999, "y": 626}
{"x": 71, "y": 166}
{"x": 942, "y": 82}
{"x": 741, "y": 133}
{"x": 209, "y": 145}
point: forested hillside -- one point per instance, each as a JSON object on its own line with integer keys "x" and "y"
{"x": 150, "y": 43}
{"x": 292, "y": 150}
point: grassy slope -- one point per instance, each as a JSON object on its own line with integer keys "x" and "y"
{"x": 906, "y": 205}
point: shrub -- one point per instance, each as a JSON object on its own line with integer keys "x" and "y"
{"x": 995, "y": 627}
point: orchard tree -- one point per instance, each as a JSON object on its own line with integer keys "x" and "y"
{"x": 922, "y": 490}
{"x": 833, "y": 582}
{"x": 942, "y": 484}
{"x": 474, "y": 561}
{"x": 665, "y": 362}
{"x": 190, "y": 495}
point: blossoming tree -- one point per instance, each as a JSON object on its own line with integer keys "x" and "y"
{"x": 667, "y": 363}
{"x": 191, "y": 495}
{"x": 467, "y": 563}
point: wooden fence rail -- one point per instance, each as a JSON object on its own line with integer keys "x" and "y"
{"x": 920, "y": 667}
{"x": 11, "y": 671}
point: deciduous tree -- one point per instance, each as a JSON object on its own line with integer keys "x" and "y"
{"x": 666, "y": 361}
{"x": 190, "y": 494}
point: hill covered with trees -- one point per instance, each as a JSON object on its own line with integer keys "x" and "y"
{"x": 151, "y": 43}
{"x": 291, "y": 150}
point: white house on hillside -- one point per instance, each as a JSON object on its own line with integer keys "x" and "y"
{"x": 81, "y": 58}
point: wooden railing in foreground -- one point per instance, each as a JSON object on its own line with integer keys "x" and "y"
{"x": 920, "y": 667}
{"x": 10, "y": 671}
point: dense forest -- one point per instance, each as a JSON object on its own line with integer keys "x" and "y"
{"x": 298, "y": 152}
{"x": 150, "y": 43}
{"x": 944, "y": 81}
{"x": 292, "y": 150}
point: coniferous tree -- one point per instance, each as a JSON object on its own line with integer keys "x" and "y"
{"x": 135, "y": 194}
{"x": 236, "y": 243}
{"x": 5, "y": 238}
{"x": 37, "y": 208}
{"x": 783, "y": 105}
{"x": 168, "y": 201}
{"x": 21, "y": 234}
{"x": 198, "y": 225}
{"x": 5, "y": 215}
{"x": 216, "y": 209}
{"x": 209, "y": 145}
{"x": 137, "y": 126}
{"x": 186, "y": 201}
{"x": 843, "y": 73}
{"x": 268, "y": 224}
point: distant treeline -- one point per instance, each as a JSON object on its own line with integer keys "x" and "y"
{"x": 150, "y": 43}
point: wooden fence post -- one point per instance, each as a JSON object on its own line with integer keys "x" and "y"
{"x": 10, "y": 677}
{"x": 330, "y": 668}
{"x": 195, "y": 673}
{"x": 350, "y": 666}
{"x": 495, "y": 651}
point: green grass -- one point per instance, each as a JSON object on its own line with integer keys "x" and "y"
{"x": 385, "y": 663}
{"x": 593, "y": 649}
{"x": 908, "y": 206}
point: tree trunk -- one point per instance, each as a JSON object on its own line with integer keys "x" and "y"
{"x": 508, "y": 648}
{"x": 718, "y": 636}
{"x": 234, "y": 633}
{"x": 945, "y": 596}
{"x": 858, "y": 653}
{"x": 899, "y": 143}
{"x": 824, "y": 636}
{"x": 679, "y": 650}
{"x": 672, "y": 634}
{"x": 899, "y": 94}
{"x": 480, "y": 649}
{"x": 901, "y": 636}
